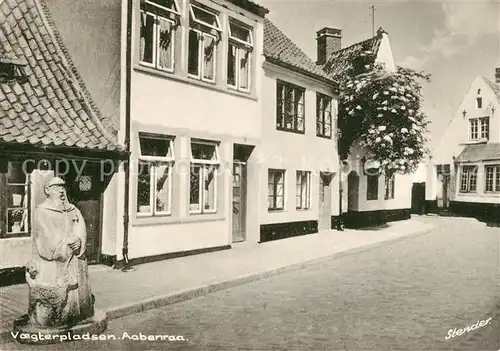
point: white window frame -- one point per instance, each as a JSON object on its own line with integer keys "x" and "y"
{"x": 237, "y": 43}
{"x": 216, "y": 15}
{"x": 470, "y": 170}
{"x": 154, "y": 162}
{"x": 322, "y": 112}
{"x": 201, "y": 55}
{"x": 283, "y": 172}
{"x": 474, "y": 129}
{"x": 175, "y": 11}
{"x": 204, "y": 164}
{"x": 484, "y": 133}
{"x": 156, "y": 34}
{"x": 495, "y": 179}
{"x": 305, "y": 204}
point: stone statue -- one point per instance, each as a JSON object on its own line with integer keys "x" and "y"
{"x": 57, "y": 275}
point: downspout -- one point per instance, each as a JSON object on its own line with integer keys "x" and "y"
{"x": 126, "y": 166}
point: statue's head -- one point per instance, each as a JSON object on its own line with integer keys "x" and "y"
{"x": 55, "y": 189}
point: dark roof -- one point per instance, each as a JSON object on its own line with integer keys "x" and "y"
{"x": 280, "y": 50}
{"x": 53, "y": 108}
{"x": 339, "y": 61}
{"x": 251, "y": 6}
{"x": 480, "y": 152}
{"x": 494, "y": 87}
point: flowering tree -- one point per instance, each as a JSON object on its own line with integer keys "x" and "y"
{"x": 382, "y": 111}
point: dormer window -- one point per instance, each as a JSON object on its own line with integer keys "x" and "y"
{"x": 204, "y": 34}
{"x": 158, "y": 24}
{"x": 239, "y": 55}
{"x": 479, "y": 102}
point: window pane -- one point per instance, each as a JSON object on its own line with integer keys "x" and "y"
{"x": 210, "y": 188}
{"x": 144, "y": 188}
{"x": 194, "y": 53}
{"x": 165, "y": 47}
{"x": 201, "y": 151}
{"x": 206, "y": 17}
{"x": 158, "y": 147}
{"x": 497, "y": 179}
{"x": 147, "y": 40}
{"x": 300, "y": 124}
{"x": 169, "y": 4}
{"x": 244, "y": 69}
{"x": 194, "y": 188}
{"x": 208, "y": 57}
{"x": 489, "y": 178}
{"x": 240, "y": 32}
{"x": 270, "y": 202}
{"x": 17, "y": 196}
{"x": 231, "y": 65}
{"x": 162, "y": 188}
{"x": 280, "y": 202}
{"x": 17, "y": 221}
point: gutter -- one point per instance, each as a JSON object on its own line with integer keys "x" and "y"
{"x": 126, "y": 165}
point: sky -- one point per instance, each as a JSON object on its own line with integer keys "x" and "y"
{"x": 454, "y": 41}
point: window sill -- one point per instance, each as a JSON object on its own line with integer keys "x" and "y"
{"x": 275, "y": 210}
{"x": 303, "y": 209}
{"x": 193, "y": 218}
{"x": 324, "y": 137}
{"x": 473, "y": 142}
{"x": 291, "y": 130}
{"x": 193, "y": 81}
{"x": 470, "y": 193}
{"x": 16, "y": 236}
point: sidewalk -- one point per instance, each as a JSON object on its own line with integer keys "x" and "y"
{"x": 160, "y": 283}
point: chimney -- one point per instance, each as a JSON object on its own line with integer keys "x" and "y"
{"x": 497, "y": 75}
{"x": 328, "y": 41}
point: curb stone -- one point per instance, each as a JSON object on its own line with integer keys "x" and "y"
{"x": 191, "y": 293}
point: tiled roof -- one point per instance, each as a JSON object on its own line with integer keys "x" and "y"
{"x": 339, "y": 61}
{"x": 279, "y": 49}
{"x": 53, "y": 109}
{"x": 480, "y": 152}
{"x": 494, "y": 87}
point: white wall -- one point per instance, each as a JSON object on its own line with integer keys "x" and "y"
{"x": 292, "y": 151}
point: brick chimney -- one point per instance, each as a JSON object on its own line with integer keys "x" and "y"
{"x": 328, "y": 40}
{"x": 497, "y": 75}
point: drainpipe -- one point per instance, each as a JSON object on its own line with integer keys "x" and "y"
{"x": 126, "y": 166}
{"x": 340, "y": 222}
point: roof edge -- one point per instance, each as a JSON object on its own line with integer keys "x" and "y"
{"x": 301, "y": 71}
{"x": 251, "y": 6}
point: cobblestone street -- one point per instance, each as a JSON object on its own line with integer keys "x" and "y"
{"x": 403, "y": 295}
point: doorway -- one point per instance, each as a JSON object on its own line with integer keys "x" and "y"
{"x": 239, "y": 201}
{"x": 325, "y": 201}
{"x": 85, "y": 192}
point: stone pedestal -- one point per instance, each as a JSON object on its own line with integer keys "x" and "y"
{"x": 26, "y": 333}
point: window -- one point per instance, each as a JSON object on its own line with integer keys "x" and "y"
{"x": 479, "y": 128}
{"x": 485, "y": 127}
{"x": 202, "y": 49}
{"x": 468, "y": 179}
{"x": 290, "y": 107}
{"x": 492, "y": 178}
{"x": 15, "y": 209}
{"x": 158, "y": 33}
{"x": 303, "y": 195}
{"x": 203, "y": 177}
{"x": 323, "y": 116}
{"x": 473, "y": 129}
{"x": 389, "y": 187}
{"x": 479, "y": 102}
{"x": 154, "y": 181}
{"x": 239, "y": 56}
{"x": 372, "y": 187}
{"x": 276, "y": 189}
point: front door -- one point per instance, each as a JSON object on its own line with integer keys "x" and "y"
{"x": 85, "y": 191}
{"x": 325, "y": 202}
{"x": 239, "y": 201}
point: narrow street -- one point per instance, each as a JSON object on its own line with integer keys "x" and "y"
{"x": 403, "y": 295}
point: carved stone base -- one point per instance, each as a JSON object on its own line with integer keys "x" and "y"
{"x": 26, "y": 333}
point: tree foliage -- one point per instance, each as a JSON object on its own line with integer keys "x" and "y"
{"x": 382, "y": 112}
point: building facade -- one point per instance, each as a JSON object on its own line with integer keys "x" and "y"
{"x": 368, "y": 197}
{"x": 49, "y": 125}
{"x": 464, "y": 175}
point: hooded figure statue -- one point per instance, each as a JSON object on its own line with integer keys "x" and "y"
{"x": 57, "y": 275}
